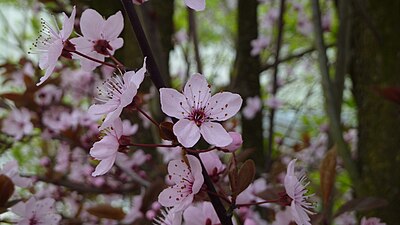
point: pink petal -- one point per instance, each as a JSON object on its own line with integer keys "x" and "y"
{"x": 110, "y": 118}
{"x": 169, "y": 197}
{"x": 105, "y": 147}
{"x": 100, "y": 109}
{"x": 104, "y": 166}
{"x": 82, "y": 45}
{"x": 187, "y": 132}
{"x": 91, "y": 24}
{"x": 116, "y": 44}
{"x": 128, "y": 95}
{"x": 223, "y": 106}
{"x": 113, "y": 26}
{"x": 68, "y": 25}
{"x": 54, "y": 52}
{"x": 45, "y": 205}
{"x": 118, "y": 127}
{"x": 196, "y": 170}
{"x": 19, "y": 209}
{"x": 290, "y": 183}
{"x": 138, "y": 76}
{"x": 215, "y": 134}
{"x": 177, "y": 169}
{"x": 198, "y": 5}
{"x": 174, "y": 103}
{"x": 197, "y": 91}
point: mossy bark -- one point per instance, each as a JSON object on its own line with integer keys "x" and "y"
{"x": 246, "y": 77}
{"x": 376, "y": 64}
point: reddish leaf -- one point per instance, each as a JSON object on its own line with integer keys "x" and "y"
{"x": 6, "y": 189}
{"x": 245, "y": 176}
{"x": 327, "y": 171}
{"x": 107, "y": 211}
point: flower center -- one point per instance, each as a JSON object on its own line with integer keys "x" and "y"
{"x": 102, "y": 47}
{"x": 198, "y": 116}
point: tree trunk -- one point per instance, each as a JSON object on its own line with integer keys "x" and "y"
{"x": 246, "y": 76}
{"x": 376, "y": 63}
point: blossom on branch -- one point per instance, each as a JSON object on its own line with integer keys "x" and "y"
{"x": 196, "y": 110}
{"x": 100, "y": 37}
{"x": 296, "y": 191}
{"x": 187, "y": 180}
{"x": 18, "y": 123}
{"x": 51, "y": 43}
{"x": 107, "y": 148}
{"x": 117, "y": 93}
{"x": 39, "y": 212}
{"x": 10, "y": 169}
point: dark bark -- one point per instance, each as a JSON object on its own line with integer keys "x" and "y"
{"x": 376, "y": 63}
{"x": 246, "y": 77}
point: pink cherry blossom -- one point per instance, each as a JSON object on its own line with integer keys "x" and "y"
{"x": 39, "y": 212}
{"x": 200, "y": 214}
{"x": 259, "y": 44}
{"x": 118, "y": 92}
{"x": 283, "y": 217}
{"x": 253, "y": 105}
{"x": 106, "y": 149}
{"x": 198, "y": 5}
{"x": 237, "y": 141}
{"x": 274, "y": 103}
{"x": 51, "y": 42}
{"x": 196, "y": 110}
{"x": 249, "y": 195}
{"x": 10, "y": 169}
{"x": 18, "y": 123}
{"x": 47, "y": 95}
{"x": 100, "y": 37}
{"x": 212, "y": 163}
{"x": 371, "y": 221}
{"x": 187, "y": 180}
{"x": 296, "y": 191}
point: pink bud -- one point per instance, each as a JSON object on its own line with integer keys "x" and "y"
{"x": 156, "y": 206}
{"x": 237, "y": 141}
{"x": 150, "y": 214}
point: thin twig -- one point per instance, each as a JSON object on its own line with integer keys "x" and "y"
{"x": 293, "y": 56}
{"x": 95, "y": 60}
{"x": 194, "y": 36}
{"x": 327, "y": 87}
{"x": 275, "y": 82}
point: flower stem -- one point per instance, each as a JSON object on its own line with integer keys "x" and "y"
{"x": 95, "y": 60}
{"x": 147, "y": 116}
{"x": 151, "y": 145}
{"x": 200, "y": 150}
{"x": 257, "y": 203}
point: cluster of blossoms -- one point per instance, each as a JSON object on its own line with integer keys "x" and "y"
{"x": 199, "y": 116}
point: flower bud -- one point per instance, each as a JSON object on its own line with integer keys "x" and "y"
{"x": 237, "y": 141}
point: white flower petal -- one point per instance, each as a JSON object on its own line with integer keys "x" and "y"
{"x": 174, "y": 103}
{"x": 187, "y": 132}
{"x": 223, "y": 106}
{"x": 113, "y": 26}
{"x": 197, "y": 91}
{"x": 91, "y": 24}
{"x": 215, "y": 134}
{"x": 104, "y": 166}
